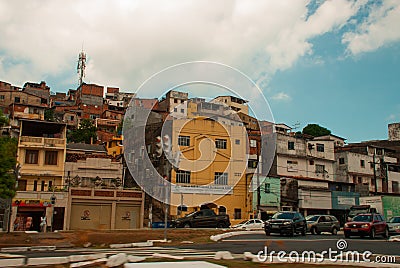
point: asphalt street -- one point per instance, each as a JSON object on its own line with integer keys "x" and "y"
{"x": 256, "y": 242}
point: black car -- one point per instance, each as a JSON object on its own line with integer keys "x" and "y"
{"x": 286, "y": 222}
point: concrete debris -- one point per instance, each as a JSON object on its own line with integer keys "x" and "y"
{"x": 88, "y": 263}
{"x": 168, "y": 256}
{"x": 223, "y": 255}
{"x": 117, "y": 260}
{"x": 132, "y": 258}
{"x": 87, "y": 244}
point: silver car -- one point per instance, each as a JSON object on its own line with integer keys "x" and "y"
{"x": 394, "y": 225}
{"x": 322, "y": 223}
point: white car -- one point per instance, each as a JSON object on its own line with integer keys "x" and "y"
{"x": 253, "y": 224}
{"x": 394, "y": 225}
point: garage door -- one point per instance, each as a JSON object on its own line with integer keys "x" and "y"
{"x": 127, "y": 217}
{"x": 90, "y": 216}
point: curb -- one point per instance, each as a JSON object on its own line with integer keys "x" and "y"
{"x": 15, "y": 249}
{"x": 149, "y": 243}
{"x": 47, "y": 260}
{"x": 218, "y": 237}
{"x": 12, "y": 262}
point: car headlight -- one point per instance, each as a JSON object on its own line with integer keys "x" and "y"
{"x": 286, "y": 223}
{"x": 346, "y": 225}
{"x": 397, "y": 227}
{"x": 365, "y": 225}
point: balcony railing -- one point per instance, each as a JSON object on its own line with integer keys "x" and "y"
{"x": 41, "y": 141}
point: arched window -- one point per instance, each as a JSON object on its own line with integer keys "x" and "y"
{"x": 222, "y": 210}
{"x": 181, "y": 209}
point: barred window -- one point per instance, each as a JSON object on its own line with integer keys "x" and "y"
{"x": 221, "y": 178}
{"x": 50, "y": 158}
{"x": 252, "y": 163}
{"x": 267, "y": 189}
{"x": 319, "y": 168}
{"x": 184, "y": 140}
{"x": 31, "y": 156}
{"x": 320, "y": 147}
{"x": 237, "y": 214}
{"x": 182, "y": 176}
{"x": 290, "y": 145}
{"x": 220, "y": 143}
{"x": 253, "y": 143}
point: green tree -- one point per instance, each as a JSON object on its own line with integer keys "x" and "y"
{"x": 85, "y": 133}
{"x": 49, "y": 115}
{"x": 3, "y": 119}
{"x": 8, "y": 153}
{"x": 316, "y": 130}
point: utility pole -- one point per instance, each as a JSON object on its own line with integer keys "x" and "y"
{"x": 384, "y": 175}
{"x": 53, "y": 203}
{"x": 375, "y": 182}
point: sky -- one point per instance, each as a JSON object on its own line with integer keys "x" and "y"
{"x": 334, "y": 63}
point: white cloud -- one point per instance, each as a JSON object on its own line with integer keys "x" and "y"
{"x": 281, "y": 96}
{"x": 391, "y": 117}
{"x": 377, "y": 30}
{"x": 127, "y": 41}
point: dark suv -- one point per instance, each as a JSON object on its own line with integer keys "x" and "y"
{"x": 286, "y": 222}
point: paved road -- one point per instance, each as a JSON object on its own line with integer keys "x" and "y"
{"x": 250, "y": 242}
{"x": 256, "y": 242}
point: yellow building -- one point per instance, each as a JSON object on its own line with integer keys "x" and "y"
{"x": 41, "y": 155}
{"x": 212, "y": 166}
{"x": 114, "y": 146}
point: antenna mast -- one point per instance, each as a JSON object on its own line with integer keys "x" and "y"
{"x": 81, "y": 66}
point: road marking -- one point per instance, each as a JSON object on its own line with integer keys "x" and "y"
{"x": 149, "y": 251}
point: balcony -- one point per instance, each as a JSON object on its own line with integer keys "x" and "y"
{"x": 41, "y": 142}
{"x": 29, "y": 116}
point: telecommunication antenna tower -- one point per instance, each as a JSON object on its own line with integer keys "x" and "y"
{"x": 296, "y": 125}
{"x": 81, "y": 66}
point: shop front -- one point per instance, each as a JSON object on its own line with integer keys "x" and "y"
{"x": 341, "y": 203}
{"x": 29, "y": 209}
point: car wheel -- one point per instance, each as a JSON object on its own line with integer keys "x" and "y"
{"x": 291, "y": 231}
{"x": 372, "y": 233}
{"x": 346, "y": 235}
{"x": 313, "y": 230}
{"x": 386, "y": 233}
{"x": 220, "y": 225}
{"x": 186, "y": 225}
{"x": 303, "y": 232}
{"x": 334, "y": 231}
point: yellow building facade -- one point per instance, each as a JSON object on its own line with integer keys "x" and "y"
{"x": 41, "y": 155}
{"x": 212, "y": 168}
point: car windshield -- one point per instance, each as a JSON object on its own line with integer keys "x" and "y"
{"x": 191, "y": 214}
{"x": 283, "y": 215}
{"x": 362, "y": 218}
{"x": 394, "y": 220}
{"x": 312, "y": 218}
{"x": 242, "y": 222}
